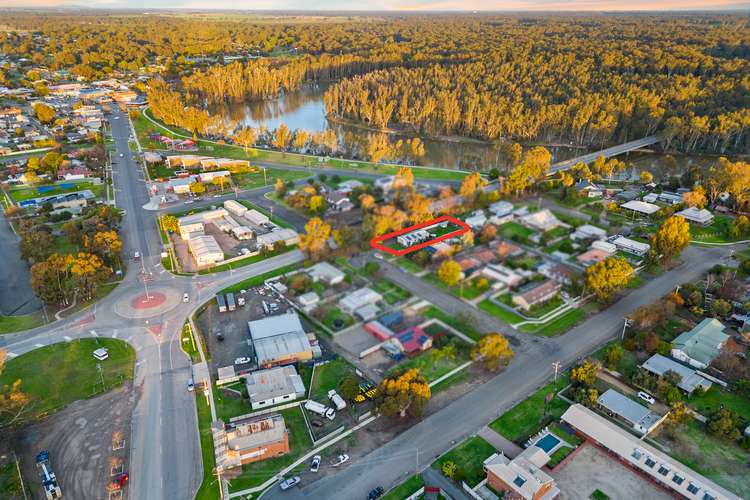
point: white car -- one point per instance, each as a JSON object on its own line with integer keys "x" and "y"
{"x": 185, "y": 297}
{"x": 117, "y": 117}
{"x": 315, "y": 464}
{"x": 341, "y": 459}
{"x": 646, "y": 397}
{"x": 136, "y": 255}
{"x": 191, "y": 385}
{"x": 241, "y": 361}
{"x": 187, "y": 202}
{"x": 122, "y": 155}
{"x": 288, "y": 483}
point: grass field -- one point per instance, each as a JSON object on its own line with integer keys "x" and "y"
{"x": 499, "y": 312}
{"x": 715, "y": 398}
{"x": 9, "y": 324}
{"x": 463, "y": 325}
{"x": 209, "y": 489}
{"x": 469, "y": 456}
{"x": 58, "y": 374}
{"x": 27, "y": 193}
{"x": 246, "y": 261}
{"x": 515, "y": 231}
{"x": 527, "y": 417}
{"x": 327, "y": 377}
{"x": 433, "y": 365}
{"x": 228, "y": 406}
{"x": 391, "y": 292}
{"x": 559, "y": 325}
{"x": 405, "y": 489}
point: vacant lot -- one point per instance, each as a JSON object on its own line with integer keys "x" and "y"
{"x": 468, "y": 456}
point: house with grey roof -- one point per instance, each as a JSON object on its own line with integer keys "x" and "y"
{"x": 690, "y": 380}
{"x": 621, "y": 407}
{"x": 273, "y": 386}
{"x": 699, "y": 346}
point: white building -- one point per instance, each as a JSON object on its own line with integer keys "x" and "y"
{"x": 697, "y": 216}
{"x": 604, "y": 246}
{"x": 273, "y": 386}
{"x": 631, "y": 246}
{"x": 193, "y": 224}
{"x": 235, "y": 208}
{"x": 210, "y": 176}
{"x": 288, "y": 236}
{"x": 413, "y": 238}
{"x": 588, "y": 232}
{"x": 641, "y": 207}
{"x": 325, "y": 272}
{"x": 256, "y": 217}
{"x": 385, "y": 183}
{"x": 543, "y": 220}
{"x": 501, "y": 208}
{"x": 502, "y": 274}
{"x": 361, "y": 302}
{"x": 205, "y": 250}
{"x": 476, "y": 220}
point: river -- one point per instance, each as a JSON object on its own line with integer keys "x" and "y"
{"x": 304, "y": 109}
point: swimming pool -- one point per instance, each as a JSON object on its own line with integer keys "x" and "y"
{"x": 548, "y": 442}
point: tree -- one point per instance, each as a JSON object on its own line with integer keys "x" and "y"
{"x": 281, "y": 137}
{"x": 449, "y": 469}
{"x": 220, "y": 181}
{"x": 36, "y": 245}
{"x": 169, "y": 223}
{"x": 315, "y": 240}
{"x": 724, "y": 423}
{"x": 404, "y": 178}
{"x": 107, "y": 244}
{"x": 348, "y": 387}
{"x": 470, "y": 186}
{"x": 613, "y": 355}
{"x": 721, "y": 307}
{"x": 420, "y": 209}
{"x": 488, "y": 233}
{"x": 646, "y": 177}
{"x": 695, "y": 198}
{"x": 86, "y": 271}
{"x": 493, "y": 350}
{"x": 604, "y": 279}
{"x": 245, "y": 137}
{"x": 382, "y": 219}
{"x": 13, "y": 401}
{"x": 586, "y": 372}
{"x": 51, "y": 162}
{"x": 317, "y": 204}
{"x": 44, "y": 112}
{"x": 402, "y": 394}
{"x": 672, "y": 237}
{"x": 449, "y": 272}
{"x": 678, "y": 414}
{"x": 377, "y": 147}
{"x": 197, "y": 188}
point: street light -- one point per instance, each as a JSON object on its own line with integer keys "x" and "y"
{"x": 628, "y": 322}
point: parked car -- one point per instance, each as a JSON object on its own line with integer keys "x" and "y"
{"x": 316, "y": 423}
{"x": 219, "y": 334}
{"x": 191, "y": 384}
{"x": 121, "y": 155}
{"x": 646, "y": 397}
{"x": 341, "y": 459}
{"x": 241, "y": 361}
{"x": 136, "y": 255}
{"x": 288, "y": 483}
{"x": 376, "y": 493}
{"x": 315, "y": 464}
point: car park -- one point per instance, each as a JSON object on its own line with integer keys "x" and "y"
{"x": 646, "y": 397}
{"x": 289, "y": 483}
{"x": 315, "y": 464}
{"x": 376, "y": 493}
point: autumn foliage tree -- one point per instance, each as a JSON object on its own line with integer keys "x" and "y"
{"x": 315, "y": 240}
{"x": 493, "y": 350}
{"x": 604, "y": 279}
{"x": 449, "y": 272}
{"x": 672, "y": 237}
{"x": 169, "y": 223}
{"x": 13, "y": 401}
{"x": 403, "y": 394}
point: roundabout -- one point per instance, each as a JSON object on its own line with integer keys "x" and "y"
{"x": 138, "y": 306}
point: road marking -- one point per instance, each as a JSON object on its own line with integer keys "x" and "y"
{"x": 38, "y": 345}
{"x": 93, "y": 333}
{"x": 12, "y": 355}
{"x": 67, "y": 339}
{"x": 114, "y": 335}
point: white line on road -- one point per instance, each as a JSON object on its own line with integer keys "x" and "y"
{"x": 114, "y": 335}
{"x": 93, "y": 333}
{"x": 38, "y": 345}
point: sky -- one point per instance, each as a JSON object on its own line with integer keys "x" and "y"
{"x": 404, "y": 5}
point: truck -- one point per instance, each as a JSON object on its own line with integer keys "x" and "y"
{"x": 49, "y": 480}
{"x": 221, "y": 302}
{"x": 231, "y": 304}
{"x": 320, "y": 409}
{"x": 337, "y": 400}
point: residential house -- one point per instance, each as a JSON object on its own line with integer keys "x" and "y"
{"x": 468, "y": 265}
{"x": 592, "y": 256}
{"x": 621, "y": 407}
{"x": 182, "y": 185}
{"x": 558, "y": 272}
{"x": 362, "y": 302}
{"x": 413, "y": 340}
{"x": 630, "y": 246}
{"x": 542, "y": 221}
{"x": 506, "y": 249}
{"x": 522, "y": 477}
{"x": 643, "y": 457}
{"x": 501, "y": 274}
{"x": 589, "y": 189}
{"x": 279, "y": 340}
{"x": 249, "y": 440}
{"x": 273, "y": 386}
{"x": 339, "y": 201}
{"x": 690, "y": 380}
{"x": 476, "y": 220}
{"x": 325, "y": 272}
{"x": 588, "y": 232}
{"x": 348, "y": 186}
{"x": 268, "y": 240}
{"x": 413, "y": 238}
{"x": 385, "y": 183}
{"x": 641, "y": 207}
{"x": 501, "y": 209}
{"x": 536, "y": 293}
{"x": 701, "y": 216}
{"x": 308, "y": 301}
{"x": 699, "y": 346}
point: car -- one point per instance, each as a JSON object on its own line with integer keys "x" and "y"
{"x": 241, "y": 361}
{"x": 188, "y": 202}
{"x": 341, "y": 459}
{"x": 219, "y": 334}
{"x": 191, "y": 385}
{"x": 288, "y": 483}
{"x": 136, "y": 255}
{"x": 185, "y": 297}
{"x": 646, "y": 397}
{"x": 376, "y": 493}
{"x": 378, "y": 256}
{"x": 315, "y": 464}
{"x": 122, "y": 155}
{"x": 317, "y": 423}
{"x": 218, "y": 196}
{"x": 117, "y": 117}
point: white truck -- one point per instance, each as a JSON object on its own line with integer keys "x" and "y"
{"x": 320, "y": 409}
{"x": 49, "y": 480}
{"x": 337, "y": 400}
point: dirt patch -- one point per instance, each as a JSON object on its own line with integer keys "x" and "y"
{"x": 80, "y": 439}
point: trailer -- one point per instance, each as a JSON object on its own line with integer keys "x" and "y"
{"x": 49, "y": 480}
{"x": 320, "y": 409}
{"x": 221, "y": 302}
{"x": 231, "y": 304}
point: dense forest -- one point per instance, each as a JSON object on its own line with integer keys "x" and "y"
{"x": 590, "y": 81}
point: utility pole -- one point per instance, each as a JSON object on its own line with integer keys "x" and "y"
{"x": 628, "y": 322}
{"x": 556, "y": 367}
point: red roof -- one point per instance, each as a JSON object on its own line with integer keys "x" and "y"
{"x": 414, "y": 339}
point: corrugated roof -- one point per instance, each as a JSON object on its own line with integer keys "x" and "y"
{"x": 703, "y": 342}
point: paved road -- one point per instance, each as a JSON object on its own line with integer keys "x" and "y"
{"x": 607, "y": 153}
{"x": 16, "y": 294}
{"x": 414, "y": 449}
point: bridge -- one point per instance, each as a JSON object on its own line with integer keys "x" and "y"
{"x": 606, "y": 153}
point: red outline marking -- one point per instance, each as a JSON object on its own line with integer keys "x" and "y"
{"x": 376, "y": 242}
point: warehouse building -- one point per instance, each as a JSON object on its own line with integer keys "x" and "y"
{"x": 279, "y": 340}
{"x": 273, "y": 386}
{"x": 205, "y": 250}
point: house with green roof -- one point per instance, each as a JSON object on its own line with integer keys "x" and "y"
{"x": 699, "y": 346}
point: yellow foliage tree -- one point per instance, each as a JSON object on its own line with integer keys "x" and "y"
{"x": 317, "y": 204}
{"x": 449, "y": 272}
{"x": 107, "y": 243}
{"x": 672, "y": 238}
{"x": 695, "y": 198}
{"x": 419, "y": 209}
{"x": 169, "y": 223}
{"x": 197, "y": 188}
{"x": 281, "y": 137}
{"x": 315, "y": 239}
{"x": 493, "y": 350}
{"x": 245, "y": 137}
{"x": 470, "y": 186}
{"x": 13, "y": 401}
{"x": 604, "y": 279}
{"x": 404, "y": 393}
{"x": 586, "y": 372}
{"x": 385, "y": 218}
{"x": 404, "y": 178}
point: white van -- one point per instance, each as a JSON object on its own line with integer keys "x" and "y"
{"x": 646, "y": 397}
{"x": 337, "y": 400}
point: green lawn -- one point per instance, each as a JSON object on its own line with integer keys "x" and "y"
{"x": 408, "y": 265}
{"x": 461, "y": 324}
{"x": 715, "y": 232}
{"x": 569, "y": 219}
{"x": 405, "y": 489}
{"x": 539, "y": 310}
{"x": 58, "y": 374}
{"x": 9, "y": 324}
{"x": 246, "y": 261}
{"x": 332, "y": 315}
{"x": 515, "y": 231}
{"x": 500, "y": 313}
{"x": 469, "y": 456}
{"x": 433, "y": 365}
{"x": 259, "y": 279}
{"x": 27, "y": 193}
{"x": 391, "y": 292}
{"x": 257, "y": 473}
{"x": 209, "y": 489}
{"x": 188, "y": 343}
{"x": 527, "y": 417}
{"x": 327, "y": 377}
{"x": 251, "y": 180}
{"x": 715, "y": 397}
{"x": 228, "y": 406}
{"x": 560, "y": 324}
